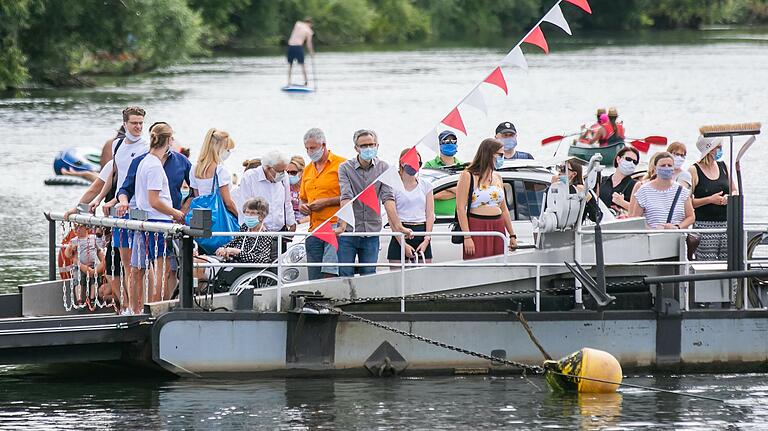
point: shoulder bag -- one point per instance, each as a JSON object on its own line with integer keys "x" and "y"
{"x": 221, "y": 219}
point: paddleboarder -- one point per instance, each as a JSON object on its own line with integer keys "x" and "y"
{"x": 302, "y": 33}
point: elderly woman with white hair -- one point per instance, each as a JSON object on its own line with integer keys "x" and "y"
{"x": 270, "y": 182}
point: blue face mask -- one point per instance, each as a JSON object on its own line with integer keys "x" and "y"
{"x": 449, "y": 149}
{"x": 294, "y": 179}
{"x": 718, "y": 153}
{"x": 251, "y": 221}
{"x": 368, "y": 153}
{"x": 665, "y": 172}
{"x": 499, "y": 162}
{"x": 509, "y": 143}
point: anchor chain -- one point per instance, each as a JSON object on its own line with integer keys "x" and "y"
{"x": 535, "y": 369}
{"x": 433, "y": 297}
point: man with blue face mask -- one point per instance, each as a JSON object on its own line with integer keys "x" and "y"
{"x": 449, "y": 146}
{"x": 355, "y": 175}
{"x": 507, "y": 134}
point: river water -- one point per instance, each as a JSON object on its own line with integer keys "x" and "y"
{"x": 662, "y": 85}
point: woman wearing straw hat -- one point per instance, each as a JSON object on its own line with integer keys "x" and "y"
{"x": 711, "y": 185}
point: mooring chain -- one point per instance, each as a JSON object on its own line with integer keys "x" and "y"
{"x": 526, "y": 367}
{"x": 432, "y": 297}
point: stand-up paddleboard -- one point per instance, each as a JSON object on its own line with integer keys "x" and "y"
{"x": 294, "y": 88}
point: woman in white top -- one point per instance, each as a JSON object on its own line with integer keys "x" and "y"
{"x": 664, "y": 203}
{"x": 217, "y": 146}
{"x": 153, "y": 195}
{"x": 416, "y": 209}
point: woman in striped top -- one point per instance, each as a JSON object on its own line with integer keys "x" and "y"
{"x": 664, "y": 203}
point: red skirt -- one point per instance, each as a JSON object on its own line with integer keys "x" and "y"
{"x": 486, "y": 245}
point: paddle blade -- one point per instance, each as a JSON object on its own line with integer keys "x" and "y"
{"x": 551, "y": 139}
{"x": 641, "y": 146}
{"x": 656, "y": 140}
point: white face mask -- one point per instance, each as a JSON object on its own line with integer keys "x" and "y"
{"x": 279, "y": 176}
{"x": 626, "y": 167}
{"x": 225, "y": 155}
{"x": 679, "y": 161}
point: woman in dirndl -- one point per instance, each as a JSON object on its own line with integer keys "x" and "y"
{"x": 481, "y": 205}
{"x": 711, "y": 186}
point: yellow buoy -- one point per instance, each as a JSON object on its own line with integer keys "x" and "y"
{"x": 585, "y": 371}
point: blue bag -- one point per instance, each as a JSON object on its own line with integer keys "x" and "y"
{"x": 221, "y": 219}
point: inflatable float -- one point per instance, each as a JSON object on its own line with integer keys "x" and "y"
{"x": 79, "y": 159}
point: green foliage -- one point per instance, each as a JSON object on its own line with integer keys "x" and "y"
{"x": 398, "y": 21}
{"x": 217, "y": 19}
{"x": 14, "y": 16}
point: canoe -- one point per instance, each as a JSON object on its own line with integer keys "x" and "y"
{"x": 585, "y": 153}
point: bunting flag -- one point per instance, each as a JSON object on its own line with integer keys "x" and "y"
{"x": 497, "y": 78}
{"x": 476, "y": 100}
{"x": 324, "y": 232}
{"x": 582, "y": 4}
{"x": 430, "y": 140}
{"x": 392, "y": 178}
{"x": 515, "y": 58}
{"x": 555, "y": 16}
{"x": 536, "y": 37}
{"x": 411, "y": 158}
{"x": 453, "y": 119}
{"x": 347, "y": 214}
{"x": 370, "y": 199}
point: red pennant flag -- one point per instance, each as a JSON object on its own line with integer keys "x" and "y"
{"x": 497, "y": 78}
{"x": 536, "y": 37}
{"x": 411, "y": 158}
{"x": 641, "y": 146}
{"x": 370, "y": 199}
{"x": 324, "y": 232}
{"x": 582, "y": 4}
{"x": 453, "y": 119}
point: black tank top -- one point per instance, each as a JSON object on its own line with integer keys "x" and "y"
{"x": 706, "y": 187}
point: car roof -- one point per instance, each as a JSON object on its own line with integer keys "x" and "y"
{"x": 512, "y": 169}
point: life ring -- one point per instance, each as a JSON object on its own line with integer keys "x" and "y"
{"x": 64, "y": 263}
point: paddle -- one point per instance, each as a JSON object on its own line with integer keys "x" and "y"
{"x": 554, "y": 138}
{"x": 314, "y": 70}
{"x": 654, "y": 139}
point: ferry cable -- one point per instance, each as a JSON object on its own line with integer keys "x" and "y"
{"x": 535, "y": 369}
{"x": 433, "y": 297}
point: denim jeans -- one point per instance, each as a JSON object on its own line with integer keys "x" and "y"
{"x": 320, "y": 251}
{"x": 366, "y": 249}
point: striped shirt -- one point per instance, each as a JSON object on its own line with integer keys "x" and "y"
{"x": 657, "y": 203}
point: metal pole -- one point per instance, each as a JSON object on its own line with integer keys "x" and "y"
{"x": 51, "y": 250}
{"x": 402, "y": 272}
{"x": 599, "y": 258}
{"x": 279, "y": 271}
{"x": 538, "y": 287}
{"x": 186, "y": 292}
{"x": 579, "y": 302}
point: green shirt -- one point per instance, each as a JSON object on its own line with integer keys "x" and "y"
{"x": 445, "y": 207}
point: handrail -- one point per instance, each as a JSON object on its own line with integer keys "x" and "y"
{"x": 145, "y": 226}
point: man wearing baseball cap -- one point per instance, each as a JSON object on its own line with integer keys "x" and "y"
{"x": 448, "y": 144}
{"x": 507, "y": 134}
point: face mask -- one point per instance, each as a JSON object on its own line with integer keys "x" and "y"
{"x": 251, "y": 221}
{"x": 509, "y": 143}
{"x": 225, "y": 155}
{"x": 316, "y": 155}
{"x": 294, "y": 179}
{"x": 718, "y": 153}
{"x": 408, "y": 169}
{"x": 184, "y": 194}
{"x": 499, "y": 162}
{"x": 665, "y": 172}
{"x": 449, "y": 149}
{"x": 279, "y": 176}
{"x": 564, "y": 179}
{"x": 130, "y": 137}
{"x": 626, "y": 167}
{"x": 368, "y": 154}
{"x": 679, "y": 160}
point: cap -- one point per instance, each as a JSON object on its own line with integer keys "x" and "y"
{"x": 600, "y": 111}
{"x": 706, "y": 145}
{"x": 612, "y": 112}
{"x": 506, "y": 127}
{"x": 444, "y": 134}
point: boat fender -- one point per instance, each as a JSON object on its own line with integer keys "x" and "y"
{"x": 573, "y": 372}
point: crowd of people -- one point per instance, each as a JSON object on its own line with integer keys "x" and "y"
{"x": 151, "y": 179}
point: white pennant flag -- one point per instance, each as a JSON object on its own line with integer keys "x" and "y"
{"x": 476, "y": 100}
{"x": 391, "y": 177}
{"x": 555, "y": 16}
{"x": 347, "y": 214}
{"x": 426, "y": 153}
{"x": 515, "y": 58}
{"x": 430, "y": 140}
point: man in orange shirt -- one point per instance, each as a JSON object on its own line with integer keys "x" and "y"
{"x": 320, "y": 200}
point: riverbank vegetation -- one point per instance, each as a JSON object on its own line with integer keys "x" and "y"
{"x": 62, "y": 42}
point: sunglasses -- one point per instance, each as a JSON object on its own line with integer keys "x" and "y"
{"x": 448, "y": 141}
{"x": 630, "y": 159}
{"x": 291, "y": 172}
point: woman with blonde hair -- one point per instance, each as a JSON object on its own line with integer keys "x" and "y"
{"x": 481, "y": 205}
{"x": 217, "y": 146}
{"x": 295, "y": 169}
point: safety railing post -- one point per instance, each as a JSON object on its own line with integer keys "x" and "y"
{"x": 538, "y": 287}
{"x": 51, "y": 250}
{"x": 402, "y": 272}
{"x": 685, "y": 269}
{"x": 186, "y": 291}
{"x": 279, "y": 271}
{"x": 578, "y": 300}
